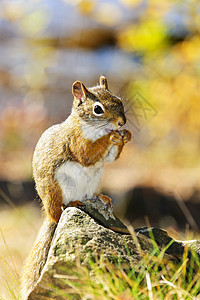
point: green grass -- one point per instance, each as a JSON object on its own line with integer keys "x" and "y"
{"x": 155, "y": 280}
{"x": 155, "y": 277}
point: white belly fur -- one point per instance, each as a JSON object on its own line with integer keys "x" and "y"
{"x": 78, "y": 182}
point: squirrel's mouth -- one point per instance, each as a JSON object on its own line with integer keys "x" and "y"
{"x": 110, "y": 130}
{"x": 112, "y": 127}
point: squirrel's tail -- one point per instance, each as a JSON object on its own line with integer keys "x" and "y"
{"x": 37, "y": 258}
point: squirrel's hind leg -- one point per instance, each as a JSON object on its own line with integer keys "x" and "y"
{"x": 53, "y": 201}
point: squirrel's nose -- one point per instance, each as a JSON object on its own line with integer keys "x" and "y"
{"x": 121, "y": 121}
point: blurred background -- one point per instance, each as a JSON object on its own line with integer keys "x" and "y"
{"x": 150, "y": 53}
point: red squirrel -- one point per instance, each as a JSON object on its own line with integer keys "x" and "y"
{"x": 69, "y": 153}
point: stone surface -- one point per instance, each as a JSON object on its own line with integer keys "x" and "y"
{"x": 79, "y": 238}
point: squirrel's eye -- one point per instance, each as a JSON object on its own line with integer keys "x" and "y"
{"x": 98, "y": 109}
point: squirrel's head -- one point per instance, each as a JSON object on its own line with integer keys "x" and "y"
{"x": 98, "y": 105}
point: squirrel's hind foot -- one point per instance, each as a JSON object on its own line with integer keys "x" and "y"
{"x": 76, "y": 203}
{"x": 105, "y": 199}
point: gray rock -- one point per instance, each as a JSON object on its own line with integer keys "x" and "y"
{"x": 79, "y": 238}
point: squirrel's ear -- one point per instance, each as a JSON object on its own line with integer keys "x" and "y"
{"x": 79, "y": 90}
{"x": 103, "y": 82}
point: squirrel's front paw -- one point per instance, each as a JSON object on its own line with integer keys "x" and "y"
{"x": 116, "y": 138}
{"x": 126, "y": 134}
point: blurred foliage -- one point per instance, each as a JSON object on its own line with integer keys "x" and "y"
{"x": 169, "y": 79}
{"x": 162, "y": 37}
{"x": 149, "y": 36}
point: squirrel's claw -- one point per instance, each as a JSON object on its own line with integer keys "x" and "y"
{"x": 116, "y": 138}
